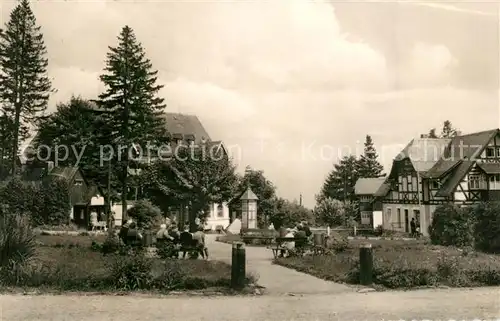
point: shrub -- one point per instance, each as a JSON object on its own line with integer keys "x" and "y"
{"x": 131, "y": 272}
{"x": 487, "y": 227}
{"x": 452, "y": 226}
{"x": 379, "y": 230}
{"x": 56, "y": 201}
{"x": 145, "y": 214}
{"x": 17, "y": 244}
{"x": 112, "y": 244}
{"x": 337, "y": 242}
{"x": 165, "y": 250}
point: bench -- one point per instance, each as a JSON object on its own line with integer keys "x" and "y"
{"x": 264, "y": 235}
{"x": 247, "y": 239}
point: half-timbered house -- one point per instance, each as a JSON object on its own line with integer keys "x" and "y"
{"x": 463, "y": 170}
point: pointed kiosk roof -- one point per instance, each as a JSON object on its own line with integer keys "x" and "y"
{"x": 249, "y": 195}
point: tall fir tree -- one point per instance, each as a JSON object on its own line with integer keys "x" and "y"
{"x": 24, "y": 84}
{"x": 130, "y": 104}
{"x": 448, "y": 131}
{"x": 368, "y": 164}
{"x": 340, "y": 182}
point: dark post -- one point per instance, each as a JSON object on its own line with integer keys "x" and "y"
{"x": 365, "y": 264}
{"x": 238, "y": 273}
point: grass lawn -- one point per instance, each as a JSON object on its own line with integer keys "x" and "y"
{"x": 404, "y": 264}
{"x": 68, "y": 263}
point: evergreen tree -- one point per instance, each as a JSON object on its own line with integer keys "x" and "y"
{"x": 432, "y": 133}
{"x": 24, "y": 85}
{"x": 130, "y": 105}
{"x": 368, "y": 165}
{"x": 448, "y": 131}
{"x": 340, "y": 182}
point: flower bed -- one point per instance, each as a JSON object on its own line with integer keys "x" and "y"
{"x": 404, "y": 264}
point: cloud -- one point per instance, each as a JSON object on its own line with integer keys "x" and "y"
{"x": 269, "y": 77}
{"x": 451, "y": 8}
{"x": 430, "y": 65}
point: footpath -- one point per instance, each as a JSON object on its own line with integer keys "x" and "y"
{"x": 276, "y": 279}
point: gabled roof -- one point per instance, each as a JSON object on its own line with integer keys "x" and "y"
{"x": 469, "y": 146}
{"x": 463, "y": 147}
{"x": 368, "y": 186}
{"x": 183, "y": 126}
{"x": 67, "y": 173}
{"x": 423, "y": 153}
{"x": 490, "y": 168}
{"x": 455, "y": 177}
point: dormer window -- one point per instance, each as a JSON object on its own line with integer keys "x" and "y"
{"x": 78, "y": 182}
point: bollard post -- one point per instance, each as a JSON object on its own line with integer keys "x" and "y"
{"x": 238, "y": 266}
{"x": 365, "y": 264}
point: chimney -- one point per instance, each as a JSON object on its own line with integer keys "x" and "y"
{"x": 424, "y": 136}
{"x": 50, "y": 166}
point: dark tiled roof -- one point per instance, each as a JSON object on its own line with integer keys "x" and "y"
{"x": 490, "y": 168}
{"x": 468, "y": 146}
{"x": 182, "y": 125}
{"x": 463, "y": 147}
{"x": 455, "y": 177}
{"x": 368, "y": 186}
{"x": 441, "y": 168}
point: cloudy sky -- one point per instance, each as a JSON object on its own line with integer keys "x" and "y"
{"x": 291, "y": 85}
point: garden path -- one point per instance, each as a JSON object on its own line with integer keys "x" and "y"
{"x": 276, "y": 279}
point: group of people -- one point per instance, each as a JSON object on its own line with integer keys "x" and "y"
{"x": 184, "y": 241}
{"x": 300, "y": 231}
{"x": 169, "y": 234}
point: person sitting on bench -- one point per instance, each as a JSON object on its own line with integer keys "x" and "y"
{"x": 134, "y": 238}
{"x": 288, "y": 246}
{"x": 186, "y": 240}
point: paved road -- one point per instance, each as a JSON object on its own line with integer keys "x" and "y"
{"x": 276, "y": 279}
{"x": 415, "y": 305}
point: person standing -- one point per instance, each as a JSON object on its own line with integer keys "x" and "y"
{"x": 413, "y": 228}
{"x": 199, "y": 238}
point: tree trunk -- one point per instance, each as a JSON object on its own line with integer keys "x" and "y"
{"x": 124, "y": 192}
{"x": 15, "y": 138}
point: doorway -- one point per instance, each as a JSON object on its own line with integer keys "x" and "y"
{"x": 407, "y": 221}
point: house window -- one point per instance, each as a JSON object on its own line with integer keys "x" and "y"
{"x": 220, "y": 210}
{"x": 490, "y": 152}
{"x": 498, "y": 151}
{"x": 495, "y": 182}
{"x": 78, "y": 183}
{"x": 435, "y": 185}
{"x": 399, "y": 218}
{"x": 389, "y": 215}
{"x": 474, "y": 182}
{"x": 365, "y": 198}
